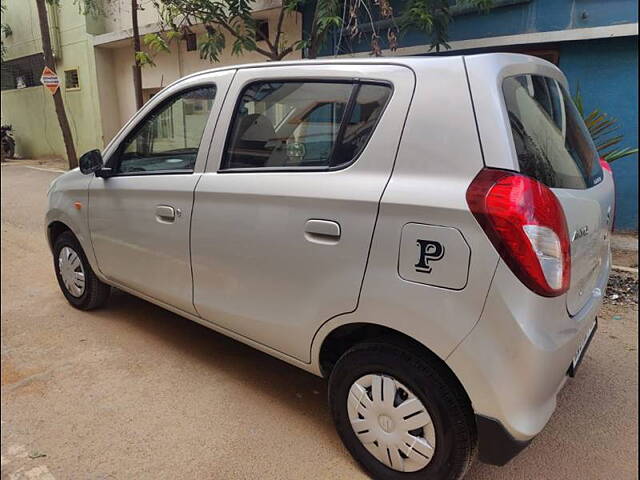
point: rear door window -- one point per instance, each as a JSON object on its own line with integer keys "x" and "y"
{"x": 551, "y": 140}
{"x": 367, "y": 109}
{"x": 312, "y": 125}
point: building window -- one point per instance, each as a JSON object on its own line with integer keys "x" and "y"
{"x": 71, "y": 79}
{"x": 262, "y": 30}
{"x": 22, "y": 72}
{"x": 192, "y": 42}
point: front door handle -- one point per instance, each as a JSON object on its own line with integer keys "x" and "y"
{"x": 322, "y": 231}
{"x": 165, "y": 213}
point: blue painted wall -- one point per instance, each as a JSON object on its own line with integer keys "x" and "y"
{"x": 526, "y": 16}
{"x": 543, "y": 16}
{"x": 606, "y": 69}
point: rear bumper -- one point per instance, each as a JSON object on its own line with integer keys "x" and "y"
{"x": 496, "y": 446}
{"x": 515, "y": 361}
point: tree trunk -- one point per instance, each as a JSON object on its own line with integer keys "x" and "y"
{"x": 312, "y": 51}
{"x": 137, "y": 69}
{"x": 57, "y": 97}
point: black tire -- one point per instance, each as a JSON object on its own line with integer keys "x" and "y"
{"x": 95, "y": 292}
{"x": 428, "y": 379}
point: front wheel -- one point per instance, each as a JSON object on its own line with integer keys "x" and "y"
{"x": 77, "y": 281}
{"x": 400, "y": 415}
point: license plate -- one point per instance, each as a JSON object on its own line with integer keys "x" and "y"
{"x": 582, "y": 348}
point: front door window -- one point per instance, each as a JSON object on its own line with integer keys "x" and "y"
{"x": 169, "y": 138}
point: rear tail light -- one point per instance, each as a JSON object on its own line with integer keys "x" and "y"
{"x": 526, "y": 224}
{"x": 612, "y": 215}
{"x": 605, "y": 165}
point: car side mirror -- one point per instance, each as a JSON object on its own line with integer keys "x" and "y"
{"x": 90, "y": 162}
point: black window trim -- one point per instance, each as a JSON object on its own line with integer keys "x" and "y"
{"x": 356, "y": 82}
{"x": 115, "y": 159}
{"x": 346, "y": 117}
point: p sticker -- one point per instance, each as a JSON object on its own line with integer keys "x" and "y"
{"x": 434, "y": 255}
{"x": 430, "y": 251}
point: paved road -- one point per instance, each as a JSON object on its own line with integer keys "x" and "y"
{"x": 135, "y": 392}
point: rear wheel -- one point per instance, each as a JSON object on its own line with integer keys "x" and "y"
{"x": 78, "y": 283}
{"x": 400, "y": 415}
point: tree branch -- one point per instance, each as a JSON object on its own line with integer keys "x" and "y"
{"x": 279, "y": 27}
{"x": 285, "y": 52}
{"x": 229, "y": 29}
{"x": 313, "y": 36}
{"x": 268, "y": 42}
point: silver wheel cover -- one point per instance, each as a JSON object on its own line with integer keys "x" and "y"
{"x": 391, "y": 422}
{"x": 71, "y": 271}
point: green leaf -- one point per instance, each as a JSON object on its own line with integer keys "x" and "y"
{"x": 618, "y": 154}
{"x": 603, "y": 129}
{"x": 143, "y": 59}
{"x": 173, "y": 35}
{"x": 155, "y": 42}
{"x": 212, "y": 44}
{"x": 95, "y": 8}
{"x": 292, "y": 5}
{"x": 327, "y": 22}
{"x": 301, "y": 44}
{"x": 609, "y": 143}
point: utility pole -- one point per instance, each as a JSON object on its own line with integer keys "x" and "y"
{"x": 57, "y": 97}
{"x": 137, "y": 69}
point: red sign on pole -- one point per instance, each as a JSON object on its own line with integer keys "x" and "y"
{"x": 50, "y": 80}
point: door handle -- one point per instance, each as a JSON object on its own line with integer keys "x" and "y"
{"x": 322, "y": 231}
{"x": 165, "y": 213}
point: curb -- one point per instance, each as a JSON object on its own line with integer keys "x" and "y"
{"x": 624, "y": 269}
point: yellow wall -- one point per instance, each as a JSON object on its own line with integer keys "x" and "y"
{"x": 31, "y": 110}
{"x": 105, "y": 100}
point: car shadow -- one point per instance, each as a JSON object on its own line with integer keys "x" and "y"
{"x": 299, "y": 391}
{"x": 303, "y": 395}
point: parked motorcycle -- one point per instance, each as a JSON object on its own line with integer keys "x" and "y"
{"x": 7, "y": 142}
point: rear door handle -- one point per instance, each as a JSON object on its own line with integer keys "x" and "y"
{"x": 322, "y": 231}
{"x": 165, "y": 213}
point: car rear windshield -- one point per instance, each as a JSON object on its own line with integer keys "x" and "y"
{"x": 551, "y": 140}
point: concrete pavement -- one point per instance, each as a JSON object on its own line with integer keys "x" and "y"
{"x": 135, "y": 392}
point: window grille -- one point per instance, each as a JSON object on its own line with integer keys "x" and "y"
{"x": 22, "y": 72}
{"x": 71, "y": 79}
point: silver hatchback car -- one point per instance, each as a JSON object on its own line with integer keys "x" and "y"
{"x": 430, "y": 234}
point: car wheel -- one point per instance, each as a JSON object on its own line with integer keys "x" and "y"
{"x": 77, "y": 281}
{"x": 401, "y": 415}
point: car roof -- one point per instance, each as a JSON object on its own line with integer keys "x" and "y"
{"x": 409, "y": 61}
